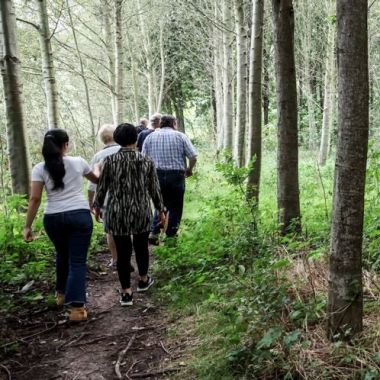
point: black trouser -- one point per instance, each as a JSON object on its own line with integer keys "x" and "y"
{"x": 124, "y": 251}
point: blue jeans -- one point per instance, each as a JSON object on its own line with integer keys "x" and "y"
{"x": 172, "y": 184}
{"x": 70, "y": 233}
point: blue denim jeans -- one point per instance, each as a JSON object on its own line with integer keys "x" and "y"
{"x": 70, "y": 233}
{"x": 172, "y": 183}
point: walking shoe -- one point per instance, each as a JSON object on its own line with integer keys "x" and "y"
{"x": 77, "y": 314}
{"x": 144, "y": 286}
{"x": 153, "y": 239}
{"x": 59, "y": 299}
{"x": 126, "y": 299}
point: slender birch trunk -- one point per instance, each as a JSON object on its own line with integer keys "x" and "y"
{"x": 241, "y": 88}
{"x": 149, "y": 63}
{"x": 328, "y": 101}
{"x": 119, "y": 61}
{"x": 10, "y": 71}
{"x": 287, "y": 155}
{"x": 254, "y": 100}
{"x": 108, "y": 38}
{"x": 85, "y": 85}
{"x": 227, "y": 79}
{"x": 345, "y": 301}
{"x": 48, "y": 70}
{"x": 162, "y": 79}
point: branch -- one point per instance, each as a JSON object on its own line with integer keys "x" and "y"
{"x": 29, "y": 23}
{"x": 56, "y": 24}
{"x": 121, "y": 356}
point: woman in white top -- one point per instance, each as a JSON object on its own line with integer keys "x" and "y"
{"x": 67, "y": 218}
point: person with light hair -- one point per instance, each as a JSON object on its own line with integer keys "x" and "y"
{"x": 154, "y": 123}
{"x": 105, "y": 137}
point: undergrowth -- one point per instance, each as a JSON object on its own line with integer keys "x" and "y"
{"x": 256, "y": 301}
{"x": 27, "y": 270}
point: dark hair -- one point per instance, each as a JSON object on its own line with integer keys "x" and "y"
{"x": 167, "y": 121}
{"x": 54, "y": 141}
{"x": 125, "y": 134}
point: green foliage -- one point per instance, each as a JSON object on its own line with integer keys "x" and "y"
{"x": 23, "y": 262}
{"x": 240, "y": 285}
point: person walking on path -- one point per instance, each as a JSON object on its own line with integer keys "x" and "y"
{"x": 67, "y": 219}
{"x": 155, "y": 123}
{"x": 130, "y": 180}
{"x": 169, "y": 149}
{"x": 105, "y": 135}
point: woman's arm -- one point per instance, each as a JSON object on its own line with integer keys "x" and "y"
{"x": 92, "y": 176}
{"x": 155, "y": 191}
{"x": 103, "y": 184}
{"x": 34, "y": 204}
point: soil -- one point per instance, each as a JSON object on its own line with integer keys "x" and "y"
{"x": 136, "y": 339}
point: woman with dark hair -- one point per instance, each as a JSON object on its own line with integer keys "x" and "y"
{"x": 67, "y": 218}
{"x": 130, "y": 181}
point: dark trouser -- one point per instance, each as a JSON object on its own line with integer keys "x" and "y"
{"x": 70, "y": 233}
{"x": 124, "y": 251}
{"x": 172, "y": 184}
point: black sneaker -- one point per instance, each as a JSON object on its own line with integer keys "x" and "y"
{"x": 144, "y": 286}
{"x": 126, "y": 299}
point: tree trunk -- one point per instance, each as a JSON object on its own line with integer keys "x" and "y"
{"x": 108, "y": 38}
{"x": 10, "y": 71}
{"x": 227, "y": 80}
{"x": 149, "y": 62}
{"x": 241, "y": 88}
{"x": 266, "y": 87}
{"x": 306, "y": 44}
{"x": 345, "y": 304}
{"x": 82, "y": 73}
{"x": 328, "y": 101}
{"x": 254, "y": 100}
{"x": 287, "y": 155}
{"x": 162, "y": 79}
{"x": 119, "y": 61}
{"x": 48, "y": 67}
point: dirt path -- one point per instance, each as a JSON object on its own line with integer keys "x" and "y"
{"x": 49, "y": 348}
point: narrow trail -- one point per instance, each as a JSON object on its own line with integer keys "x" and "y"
{"x": 132, "y": 340}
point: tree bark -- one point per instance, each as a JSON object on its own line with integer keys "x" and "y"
{"x": 329, "y": 96}
{"x": 149, "y": 63}
{"x": 162, "y": 79}
{"x": 287, "y": 154}
{"x": 345, "y": 304}
{"x": 48, "y": 67}
{"x": 108, "y": 38}
{"x": 10, "y": 70}
{"x": 241, "y": 88}
{"x": 254, "y": 100}
{"x": 227, "y": 80}
{"x": 119, "y": 61}
{"x": 83, "y": 76}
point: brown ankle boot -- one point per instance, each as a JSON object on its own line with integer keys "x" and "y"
{"x": 77, "y": 314}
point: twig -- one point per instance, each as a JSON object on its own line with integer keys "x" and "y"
{"x": 29, "y": 336}
{"x": 6, "y": 370}
{"x": 153, "y": 373}
{"x": 133, "y": 366}
{"x": 121, "y": 356}
{"x": 163, "y": 347}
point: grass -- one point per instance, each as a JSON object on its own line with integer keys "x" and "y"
{"x": 254, "y": 302}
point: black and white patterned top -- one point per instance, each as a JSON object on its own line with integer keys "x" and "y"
{"x": 131, "y": 182}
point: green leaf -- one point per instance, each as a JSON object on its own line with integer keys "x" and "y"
{"x": 270, "y": 337}
{"x": 280, "y": 264}
{"x": 292, "y": 338}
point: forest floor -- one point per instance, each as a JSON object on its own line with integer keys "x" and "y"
{"x": 136, "y": 340}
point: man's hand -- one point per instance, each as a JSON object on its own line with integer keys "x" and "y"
{"x": 28, "y": 234}
{"x": 188, "y": 172}
{"x": 162, "y": 218}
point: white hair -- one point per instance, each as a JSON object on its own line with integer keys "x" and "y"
{"x": 105, "y": 133}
